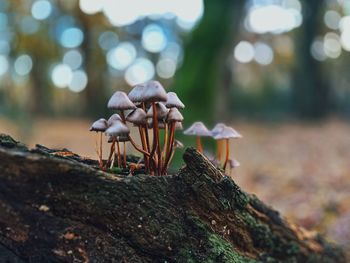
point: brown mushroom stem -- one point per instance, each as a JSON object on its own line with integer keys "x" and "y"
{"x": 124, "y": 152}
{"x": 199, "y": 144}
{"x": 165, "y": 146}
{"x": 119, "y": 157}
{"x": 101, "y": 157}
{"x": 227, "y": 153}
{"x": 110, "y": 153}
{"x": 98, "y": 152}
{"x": 137, "y": 147}
{"x": 156, "y": 145}
{"x": 144, "y": 147}
{"x": 169, "y": 147}
{"x": 146, "y": 129}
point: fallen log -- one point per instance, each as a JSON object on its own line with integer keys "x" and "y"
{"x": 57, "y": 207}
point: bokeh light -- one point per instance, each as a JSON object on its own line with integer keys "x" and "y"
{"x": 108, "y": 40}
{"x": 317, "y": 50}
{"x": 4, "y": 65}
{"x": 332, "y": 19}
{"x": 273, "y": 18}
{"x": 71, "y": 37}
{"x": 263, "y": 53}
{"x": 73, "y": 59}
{"x": 29, "y": 25}
{"x": 78, "y": 81}
{"x": 23, "y": 65}
{"x": 61, "y": 75}
{"x": 153, "y": 38}
{"x": 4, "y": 47}
{"x": 91, "y": 7}
{"x": 244, "y": 52}
{"x": 332, "y": 47}
{"x": 41, "y": 9}
{"x": 166, "y": 68}
{"x": 121, "y": 56}
{"x": 140, "y": 71}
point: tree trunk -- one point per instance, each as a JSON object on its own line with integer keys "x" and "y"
{"x": 311, "y": 88}
{"x": 57, "y": 207}
{"x": 203, "y": 75}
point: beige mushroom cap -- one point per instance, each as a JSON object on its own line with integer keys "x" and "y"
{"x": 154, "y": 91}
{"x": 162, "y": 111}
{"x": 118, "y": 128}
{"x": 136, "y": 94}
{"x": 174, "y": 101}
{"x": 218, "y": 128}
{"x": 99, "y": 125}
{"x": 137, "y": 116}
{"x": 198, "y": 128}
{"x": 227, "y": 133}
{"x": 174, "y": 115}
{"x": 113, "y": 118}
{"x": 120, "y": 101}
{"x": 233, "y": 163}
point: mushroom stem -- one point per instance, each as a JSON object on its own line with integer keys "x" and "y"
{"x": 101, "y": 157}
{"x": 124, "y": 149}
{"x": 137, "y": 147}
{"x": 227, "y": 153}
{"x": 155, "y": 136}
{"x": 199, "y": 144}
{"x": 144, "y": 147}
{"x": 165, "y": 146}
{"x": 146, "y": 129}
{"x": 218, "y": 149}
{"x": 119, "y": 157}
{"x": 110, "y": 153}
{"x": 169, "y": 147}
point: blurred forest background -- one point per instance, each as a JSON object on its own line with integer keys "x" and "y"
{"x": 276, "y": 69}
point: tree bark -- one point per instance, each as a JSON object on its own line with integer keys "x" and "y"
{"x": 57, "y": 207}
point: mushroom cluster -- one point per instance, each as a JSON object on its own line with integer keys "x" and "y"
{"x": 222, "y": 134}
{"x": 149, "y": 108}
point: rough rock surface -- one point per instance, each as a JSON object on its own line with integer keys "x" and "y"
{"x": 57, "y": 207}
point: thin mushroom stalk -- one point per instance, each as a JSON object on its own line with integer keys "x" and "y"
{"x": 199, "y": 144}
{"x": 227, "y": 153}
{"x": 169, "y": 146}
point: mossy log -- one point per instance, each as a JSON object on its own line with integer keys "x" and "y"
{"x": 57, "y": 207}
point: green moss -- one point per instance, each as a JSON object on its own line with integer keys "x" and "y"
{"x": 8, "y": 142}
{"x": 222, "y": 251}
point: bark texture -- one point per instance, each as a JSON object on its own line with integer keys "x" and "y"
{"x": 57, "y": 207}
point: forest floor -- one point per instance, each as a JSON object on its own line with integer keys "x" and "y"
{"x": 301, "y": 169}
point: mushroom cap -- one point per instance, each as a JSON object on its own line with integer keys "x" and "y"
{"x": 233, "y": 163}
{"x": 137, "y": 116}
{"x": 161, "y": 124}
{"x": 178, "y": 125}
{"x": 162, "y": 111}
{"x": 118, "y": 128}
{"x": 121, "y": 138}
{"x": 174, "y": 101}
{"x": 99, "y": 125}
{"x": 198, "y": 128}
{"x": 174, "y": 115}
{"x": 113, "y": 118}
{"x": 154, "y": 91}
{"x": 227, "y": 133}
{"x": 218, "y": 128}
{"x": 120, "y": 101}
{"x": 136, "y": 94}
{"x": 178, "y": 144}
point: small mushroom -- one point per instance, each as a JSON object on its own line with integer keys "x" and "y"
{"x": 154, "y": 92}
{"x": 199, "y": 130}
{"x": 113, "y": 118}
{"x": 120, "y": 101}
{"x": 173, "y": 101}
{"x": 216, "y": 130}
{"x": 174, "y": 116}
{"x": 136, "y": 94}
{"x": 226, "y": 134}
{"x": 99, "y": 126}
